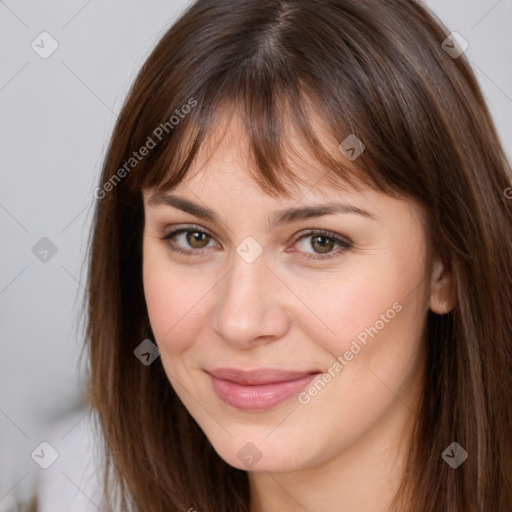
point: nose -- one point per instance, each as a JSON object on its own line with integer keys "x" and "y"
{"x": 251, "y": 307}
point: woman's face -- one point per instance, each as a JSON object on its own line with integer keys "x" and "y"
{"x": 314, "y": 358}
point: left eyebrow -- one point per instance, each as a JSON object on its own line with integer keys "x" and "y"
{"x": 306, "y": 212}
{"x": 284, "y": 216}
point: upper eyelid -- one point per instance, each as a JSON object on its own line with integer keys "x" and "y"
{"x": 179, "y": 229}
{"x": 175, "y": 230}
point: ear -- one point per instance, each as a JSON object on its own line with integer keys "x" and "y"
{"x": 442, "y": 288}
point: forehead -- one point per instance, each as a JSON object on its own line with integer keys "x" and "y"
{"x": 224, "y": 178}
{"x": 226, "y": 162}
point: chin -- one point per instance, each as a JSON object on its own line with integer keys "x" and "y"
{"x": 261, "y": 455}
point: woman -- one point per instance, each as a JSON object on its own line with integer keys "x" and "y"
{"x": 299, "y": 278}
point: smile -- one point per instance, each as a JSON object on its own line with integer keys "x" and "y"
{"x": 258, "y": 389}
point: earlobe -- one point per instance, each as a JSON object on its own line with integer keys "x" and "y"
{"x": 442, "y": 286}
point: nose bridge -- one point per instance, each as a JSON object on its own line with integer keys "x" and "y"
{"x": 247, "y": 309}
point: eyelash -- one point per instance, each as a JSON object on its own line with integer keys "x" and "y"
{"x": 344, "y": 244}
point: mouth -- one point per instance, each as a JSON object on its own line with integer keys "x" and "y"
{"x": 258, "y": 389}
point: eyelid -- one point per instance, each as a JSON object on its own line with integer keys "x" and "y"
{"x": 183, "y": 228}
{"x": 322, "y": 232}
{"x": 344, "y": 242}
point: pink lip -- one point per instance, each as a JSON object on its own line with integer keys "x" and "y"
{"x": 258, "y": 389}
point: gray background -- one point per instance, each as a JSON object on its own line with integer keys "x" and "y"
{"x": 56, "y": 118}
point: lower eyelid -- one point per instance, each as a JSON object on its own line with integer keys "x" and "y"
{"x": 343, "y": 245}
{"x": 173, "y": 235}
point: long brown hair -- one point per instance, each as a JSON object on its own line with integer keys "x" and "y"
{"x": 373, "y": 68}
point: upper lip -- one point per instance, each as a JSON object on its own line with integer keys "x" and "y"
{"x": 259, "y": 375}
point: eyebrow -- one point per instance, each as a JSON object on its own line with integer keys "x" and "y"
{"x": 284, "y": 216}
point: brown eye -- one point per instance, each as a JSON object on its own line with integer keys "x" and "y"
{"x": 322, "y": 244}
{"x": 188, "y": 241}
{"x": 197, "y": 239}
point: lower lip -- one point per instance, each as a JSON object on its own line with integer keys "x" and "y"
{"x": 262, "y": 396}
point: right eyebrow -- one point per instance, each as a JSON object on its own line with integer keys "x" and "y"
{"x": 185, "y": 205}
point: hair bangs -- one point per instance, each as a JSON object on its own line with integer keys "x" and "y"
{"x": 289, "y": 143}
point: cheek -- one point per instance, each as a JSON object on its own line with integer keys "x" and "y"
{"x": 346, "y": 318}
{"x": 346, "y": 305}
{"x": 173, "y": 302}
{"x": 375, "y": 309}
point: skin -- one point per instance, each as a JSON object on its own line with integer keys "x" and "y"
{"x": 345, "y": 449}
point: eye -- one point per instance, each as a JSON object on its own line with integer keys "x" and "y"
{"x": 322, "y": 243}
{"x": 191, "y": 241}
{"x": 189, "y": 237}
